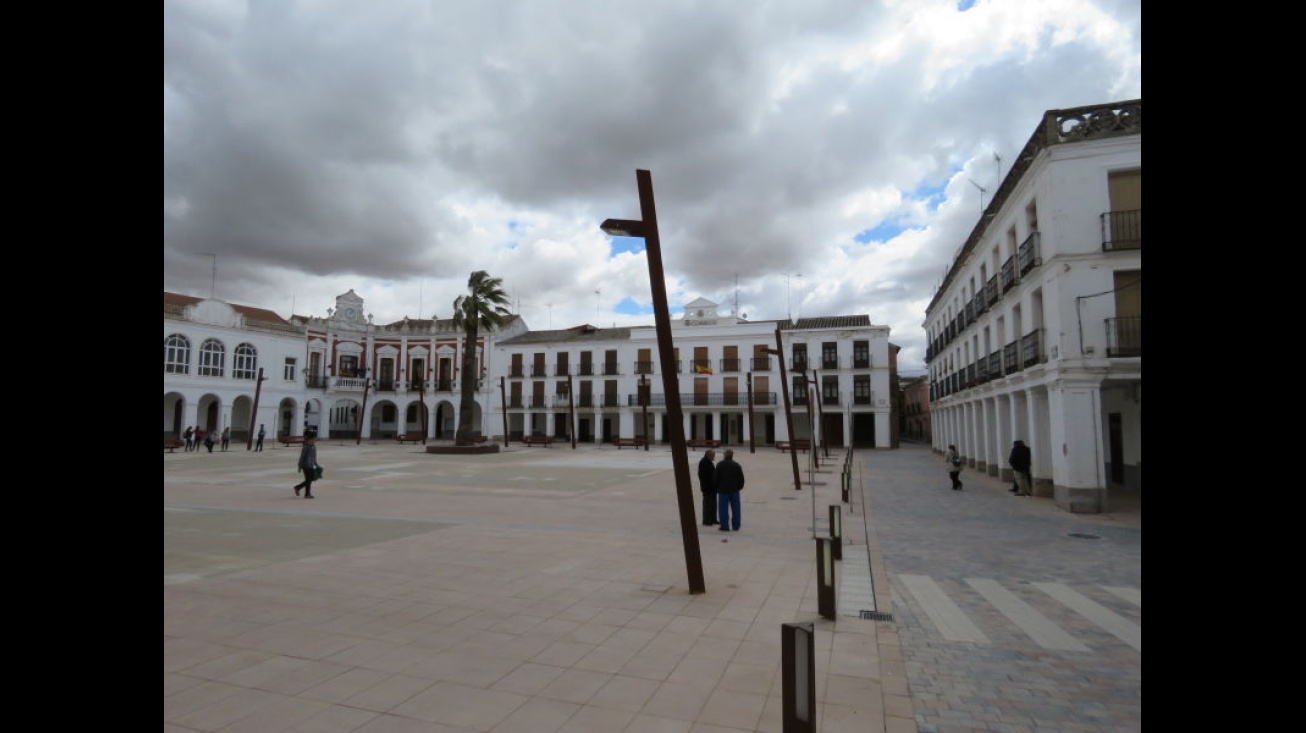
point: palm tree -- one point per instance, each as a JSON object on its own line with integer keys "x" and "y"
{"x": 481, "y": 308}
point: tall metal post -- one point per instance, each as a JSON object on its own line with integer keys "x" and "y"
{"x": 789, "y": 409}
{"x": 643, "y": 403}
{"x": 815, "y": 419}
{"x": 648, "y": 229}
{"x": 253, "y": 415}
{"x": 571, "y": 413}
{"x": 503, "y": 399}
{"x": 752, "y": 437}
{"x": 362, "y": 413}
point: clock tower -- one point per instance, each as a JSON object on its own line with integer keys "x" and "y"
{"x": 349, "y": 308}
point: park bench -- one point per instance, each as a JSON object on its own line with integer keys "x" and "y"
{"x": 697, "y": 443}
{"x": 172, "y": 444}
{"x": 802, "y": 445}
{"x": 289, "y": 440}
{"x": 408, "y": 438}
{"x": 544, "y": 440}
{"x": 628, "y": 442}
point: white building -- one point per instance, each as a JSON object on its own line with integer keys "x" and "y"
{"x": 720, "y": 360}
{"x": 1036, "y": 331}
{"x": 347, "y": 377}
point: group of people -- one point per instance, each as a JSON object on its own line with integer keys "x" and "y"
{"x": 720, "y": 484}
{"x": 197, "y": 436}
{"x": 1019, "y": 459}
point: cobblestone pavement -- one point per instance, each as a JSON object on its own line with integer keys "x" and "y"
{"x": 1013, "y": 615}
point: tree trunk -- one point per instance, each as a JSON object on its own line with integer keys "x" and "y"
{"x": 467, "y": 388}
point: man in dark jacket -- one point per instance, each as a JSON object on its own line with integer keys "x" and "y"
{"x": 308, "y": 464}
{"x": 1020, "y": 461}
{"x": 729, "y": 482}
{"x": 707, "y": 484}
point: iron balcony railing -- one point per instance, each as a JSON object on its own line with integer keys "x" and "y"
{"x": 706, "y": 399}
{"x": 761, "y": 364}
{"x": 1122, "y": 230}
{"x": 1124, "y": 336}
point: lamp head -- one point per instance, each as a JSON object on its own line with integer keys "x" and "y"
{"x": 623, "y": 227}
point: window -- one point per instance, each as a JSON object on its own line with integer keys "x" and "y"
{"x": 800, "y": 356}
{"x": 349, "y": 365}
{"x": 288, "y": 369}
{"x": 862, "y": 389}
{"x": 244, "y": 365}
{"x": 176, "y": 355}
{"x": 830, "y": 355}
{"x": 213, "y": 358}
{"x": 861, "y": 354}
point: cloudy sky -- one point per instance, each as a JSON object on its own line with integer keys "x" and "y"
{"x": 808, "y": 157}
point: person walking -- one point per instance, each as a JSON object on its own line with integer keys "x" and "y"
{"x": 262, "y": 433}
{"x": 308, "y": 464}
{"x": 729, "y": 482}
{"x": 208, "y": 440}
{"x": 707, "y": 484}
{"x": 1020, "y": 461}
{"x": 226, "y": 437}
{"x": 953, "y": 459}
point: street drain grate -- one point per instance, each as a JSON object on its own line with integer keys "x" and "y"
{"x": 876, "y": 616}
{"x": 1084, "y": 536}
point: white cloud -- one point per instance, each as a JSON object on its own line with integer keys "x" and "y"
{"x": 393, "y": 148}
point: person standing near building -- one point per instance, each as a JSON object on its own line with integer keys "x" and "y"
{"x": 1020, "y": 461}
{"x": 953, "y": 459}
{"x": 226, "y": 437}
{"x": 189, "y": 437}
{"x": 262, "y": 433}
{"x": 707, "y": 484}
{"x": 308, "y": 464}
{"x": 729, "y": 482}
{"x": 208, "y": 440}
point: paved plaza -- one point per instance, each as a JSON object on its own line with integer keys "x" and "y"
{"x": 546, "y": 589}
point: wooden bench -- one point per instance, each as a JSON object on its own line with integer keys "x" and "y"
{"x": 802, "y": 445}
{"x": 544, "y": 440}
{"x": 172, "y": 444}
{"x": 289, "y": 440}
{"x": 628, "y": 442}
{"x": 408, "y": 438}
{"x": 697, "y": 443}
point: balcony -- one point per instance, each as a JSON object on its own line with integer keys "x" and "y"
{"x": 991, "y": 293}
{"x": 1122, "y": 230}
{"x": 562, "y": 370}
{"x": 515, "y": 401}
{"x": 829, "y": 362}
{"x": 586, "y": 369}
{"x": 539, "y": 370}
{"x": 862, "y": 361}
{"x": 798, "y": 363}
{"x": 829, "y": 399}
{"x": 730, "y": 365}
{"x": 516, "y": 372}
{"x": 761, "y": 364}
{"x": 611, "y": 370}
{"x": 861, "y": 399}
{"x": 707, "y": 399}
{"x": 700, "y": 366}
{"x": 385, "y": 385}
{"x": 315, "y": 381}
{"x": 643, "y": 367}
{"x": 1008, "y": 274}
{"x": 1124, "y": 336}
{"x": 1027, "y": 254}
{"x": 444, "y": 385}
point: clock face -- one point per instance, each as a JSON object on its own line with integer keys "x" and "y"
{"x": 349, "y": 313}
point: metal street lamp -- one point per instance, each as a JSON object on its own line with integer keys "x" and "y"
{"x": 647, "y": 228}
{"x": 779, "y": 353}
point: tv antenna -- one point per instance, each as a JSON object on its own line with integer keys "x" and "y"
{"x": 982, "y": 191}
{"x": 788, "y": 304}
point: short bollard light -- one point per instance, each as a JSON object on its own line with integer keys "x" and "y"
{"x": 825, "y": 572}
{"x": 836, "y": 530}
{"x": 798, "y": 657}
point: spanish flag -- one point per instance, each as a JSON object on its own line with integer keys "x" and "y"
{"x": 702, "y": 369}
